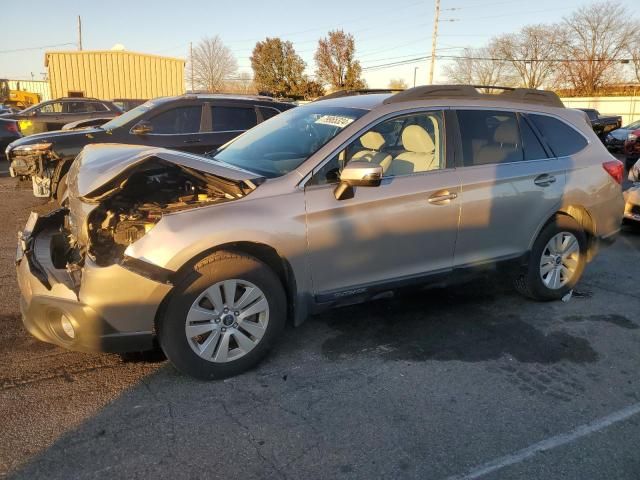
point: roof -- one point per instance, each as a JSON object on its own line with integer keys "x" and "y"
{"x": 107, "y": 52}
{"x": 447, "y": 92}
{"x": 216, "y": 96}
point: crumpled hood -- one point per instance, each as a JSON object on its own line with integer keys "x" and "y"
{"x": 98, "y": 164}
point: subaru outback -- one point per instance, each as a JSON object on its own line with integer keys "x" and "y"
{"x": 333, "y": 202}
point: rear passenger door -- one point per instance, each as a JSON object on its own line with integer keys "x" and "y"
{"x": 511, "y": 182}
{"x": 227, "y": 121}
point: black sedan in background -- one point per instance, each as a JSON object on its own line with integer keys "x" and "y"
{"x": 53, "y": 114}
{"x": 193, "y": 123}
{"x": 8, "y": 133}
{"x": 618, "y": 140}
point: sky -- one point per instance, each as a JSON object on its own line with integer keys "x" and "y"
{"x": 384, "y": 31}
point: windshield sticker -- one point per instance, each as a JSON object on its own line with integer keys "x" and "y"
{"x": 334, "y": 120}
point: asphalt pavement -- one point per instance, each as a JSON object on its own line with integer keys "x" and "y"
{"x": 471, "y": 381}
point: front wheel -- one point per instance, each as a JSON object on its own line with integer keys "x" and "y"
{"x": 556, "y": 261}
{"x": 223, "y": 317}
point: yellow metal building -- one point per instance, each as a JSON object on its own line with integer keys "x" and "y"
{"x": 114, "y": 75}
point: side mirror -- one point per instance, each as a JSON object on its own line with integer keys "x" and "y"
{"x": 357, "y": 174}
{"x": 142, "y": 128}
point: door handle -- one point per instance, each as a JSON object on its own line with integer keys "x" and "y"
{"x": 442, "y": 198}
{"x": 193, "y": 140}
{"x": 544, "y": 180}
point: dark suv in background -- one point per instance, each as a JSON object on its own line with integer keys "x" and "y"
{"x": 193, "y": 123}
{"x": 53, "y": 114}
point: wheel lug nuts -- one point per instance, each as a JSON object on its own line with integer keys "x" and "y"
{"x": 236, "y": 313}
{"x": 224, "y": 329}
{"x": 235, "y": 325}
{"x": 217, "y": 320}
{"x": 226, "y": 310}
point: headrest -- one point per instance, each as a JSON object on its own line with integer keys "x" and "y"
{"x": 506, "y": 132}
{"x": 416, "y": 139}
{"x": 372, "y": 140}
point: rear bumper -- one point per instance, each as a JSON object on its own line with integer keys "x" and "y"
{"x": 110, "y": 309}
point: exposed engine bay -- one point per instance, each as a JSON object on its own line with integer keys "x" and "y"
{"x": 129, "y": 206}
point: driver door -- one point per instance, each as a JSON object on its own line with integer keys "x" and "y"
{"x": 393, "y": 233}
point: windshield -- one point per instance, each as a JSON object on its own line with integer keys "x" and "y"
{"x": 633, "y": 126}
{"x": 284, "y": 142}
{"x": 126, "y": 117}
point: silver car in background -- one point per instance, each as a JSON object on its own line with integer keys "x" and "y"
{"x": 329, "y": 203}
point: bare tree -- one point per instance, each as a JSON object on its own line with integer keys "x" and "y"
{"x": 243, "y": 84}
{"x": 634, "y": 53}
{"x": 598, "y": 36}
{"x": 478, "y": 66}
{"x": 398, "y": 84}
{"x": 531, "y": 53}
{"x": 336, "y": 63}
{"x": 277, "y": 68}
{"x": 213, "y": 64}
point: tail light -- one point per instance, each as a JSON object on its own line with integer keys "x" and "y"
{"x": 615, "y": 168}
{"x": 12, "y": 127}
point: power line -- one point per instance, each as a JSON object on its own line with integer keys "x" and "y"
{"x": 38, "y": 48}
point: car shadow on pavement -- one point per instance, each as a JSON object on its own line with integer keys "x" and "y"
{"x": 466, "y": 324}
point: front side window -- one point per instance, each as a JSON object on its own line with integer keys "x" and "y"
{"x": 177, "y": 121}
{"x": 282, "y": 144}
{"x": 55, "y": 107}
{"x": 489, "y": 136}
{"x": 233, "y": 118}
{"x": 403, "y": 145}
{"x": 130, "y": 116}
{"x": 560, "y": 137}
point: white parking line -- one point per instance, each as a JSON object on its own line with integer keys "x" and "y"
{"x": 549, "y": 444}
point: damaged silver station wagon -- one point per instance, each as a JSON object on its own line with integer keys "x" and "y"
{"x": 329, "y": 203}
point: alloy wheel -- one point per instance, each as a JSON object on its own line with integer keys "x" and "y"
{"x": 560, "y": 260}
{"x": 227, "y": 320}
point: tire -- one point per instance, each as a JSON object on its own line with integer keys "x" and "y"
{"x": 538, "y": 280}
{"x": 224, "y": 348}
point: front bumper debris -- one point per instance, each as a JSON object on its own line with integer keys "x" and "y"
{"x": 88, "y": 308}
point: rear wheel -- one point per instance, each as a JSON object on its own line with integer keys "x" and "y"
{"x": 556, "y": 261}
{"x": 224, "y": 316}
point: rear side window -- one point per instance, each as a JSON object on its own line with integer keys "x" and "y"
{"x": 561, "y": 138}
{"x": 177, "y": 120}
{"x": 267, "y": 113}
{"x": 489, "y": 136}
{"x": 233, "y": 118}
{"x": 533, "y": 149}
{"x": 99, "y": 107}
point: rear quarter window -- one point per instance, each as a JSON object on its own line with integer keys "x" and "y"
{"x": 561, "y": 138}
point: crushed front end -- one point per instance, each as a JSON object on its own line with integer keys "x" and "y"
{"x": 79, "y": 289}
{"x": 37, "y": 161}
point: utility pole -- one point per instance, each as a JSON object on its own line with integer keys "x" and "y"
{"x": 434, "y": 39}
{"x": 191, "y": 62}
{"x": 415, "y": 70}
{"x": 79, "y": 33}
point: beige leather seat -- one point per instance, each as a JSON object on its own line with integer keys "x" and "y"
{"x": 420, "y": 154}
{"x": 504, "y": 147}
{"x": 372, "y": 142}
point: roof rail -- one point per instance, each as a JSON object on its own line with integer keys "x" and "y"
{"x": 432, "y": 92}
{"x": 362, "y": 91}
